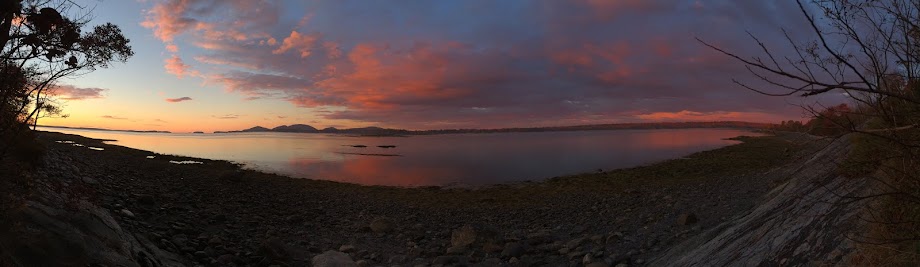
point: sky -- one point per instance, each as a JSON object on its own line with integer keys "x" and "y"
{"x": 217, "y": 65}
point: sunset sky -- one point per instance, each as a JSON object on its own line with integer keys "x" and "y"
{"x": 232, "y": 64}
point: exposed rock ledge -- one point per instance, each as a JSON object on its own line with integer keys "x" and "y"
{"x": 75, "y": 231}
{"x": 803, "y": 222}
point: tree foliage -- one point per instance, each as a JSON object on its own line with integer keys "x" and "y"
{"x": 42, "y": 43}
{"x": 868, "y": 50}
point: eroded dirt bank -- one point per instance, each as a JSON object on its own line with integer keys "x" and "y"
{"x": 214, "y": 214}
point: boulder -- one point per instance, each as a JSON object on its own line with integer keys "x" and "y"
{"x": 275, "y": 250}
{"x": 333, "y": 258}
{"x": 464, "y": 236}
{"x": 513, "y": 249}
{"x": 686, "y": 219}
{"x": 347, "y": 248}
{"x": 382, "y": 225}
{"x": 470, "y": 234}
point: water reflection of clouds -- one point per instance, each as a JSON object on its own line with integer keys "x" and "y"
{"x": 473, "y": 159}
{"x": 371, "y": 170}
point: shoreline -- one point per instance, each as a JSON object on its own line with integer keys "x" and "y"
{"x": 618, "y": 216}
{"x": 409, "y": 133}
{"x": 530, "y": 177}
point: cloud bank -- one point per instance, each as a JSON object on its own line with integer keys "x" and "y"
{"x": 429, "y": 64}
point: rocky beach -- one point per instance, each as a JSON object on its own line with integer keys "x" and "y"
{"x": 159, "y": 213}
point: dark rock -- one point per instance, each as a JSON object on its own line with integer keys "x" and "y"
{"x": 398, "y": 259}
{"x": 456, "y": 250}
{"x": 513, "y": 249}
{"x": 382, "y": 225}
{"x": 686, "y": 219}
{"x": 219, "y": 218}
{"x": 146, "y": 200}
{"x": 445, "y": 260}
{"x": 84, "y": 236}
{"x": 200, "y": 254}
{"x": 574, "y": 243}
{"x": 469, "y": 234}
{"x": 215, "y": 241}
{"x": 127, "y": 213}
{"x": 490, "y": 247}
{"x": 492, "y": 262}
{"x": 226, "y": 259}
{"x": 90, "y": 181}
{"x": 347, "y": 248}
{"x": 275, "y": 250}
{"x": 333, "y": 258}
{"x": 464, "y": 236}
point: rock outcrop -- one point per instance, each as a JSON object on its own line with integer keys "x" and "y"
{"x": 802, "y": 222}
{"x": 56, "y": 227}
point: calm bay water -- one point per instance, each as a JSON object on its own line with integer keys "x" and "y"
{"x": 464, "y": 159}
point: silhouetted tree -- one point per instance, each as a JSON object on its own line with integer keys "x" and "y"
{"x": 40, "y": 45}
{"x": 868, "y": 50}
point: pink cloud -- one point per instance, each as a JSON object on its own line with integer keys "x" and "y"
{"x": 298, "y": 42}
{"x": 175, "y": 66}
{"x": 167, "y": 19}
{"x": 333, "y": 49}
{"x": 69, "y": 92}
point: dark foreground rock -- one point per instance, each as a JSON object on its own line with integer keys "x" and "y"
{"x": 149, "y": 212}
{"x": 809, "y": 220}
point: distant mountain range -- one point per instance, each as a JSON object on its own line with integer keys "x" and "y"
{"x": 303, "y": 128}
{"x": 377, "y": 131}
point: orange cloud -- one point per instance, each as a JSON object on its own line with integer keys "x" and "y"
{"x": 687, "y": 115}
{"x": 296, "y": 41}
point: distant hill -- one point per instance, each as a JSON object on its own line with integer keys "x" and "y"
{"x": 378, "y": 131}
{"x": 303, "y": 128}
{"x": 296, "y": 128}
{"x": 253, "y": 129}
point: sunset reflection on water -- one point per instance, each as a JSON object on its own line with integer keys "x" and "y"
{"x": 458, "y": 159}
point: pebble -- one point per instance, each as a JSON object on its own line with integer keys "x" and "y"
{"x": 347, "y": 248}
{"x": 127, "y": 212}
{"x": 513, "y": 249}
